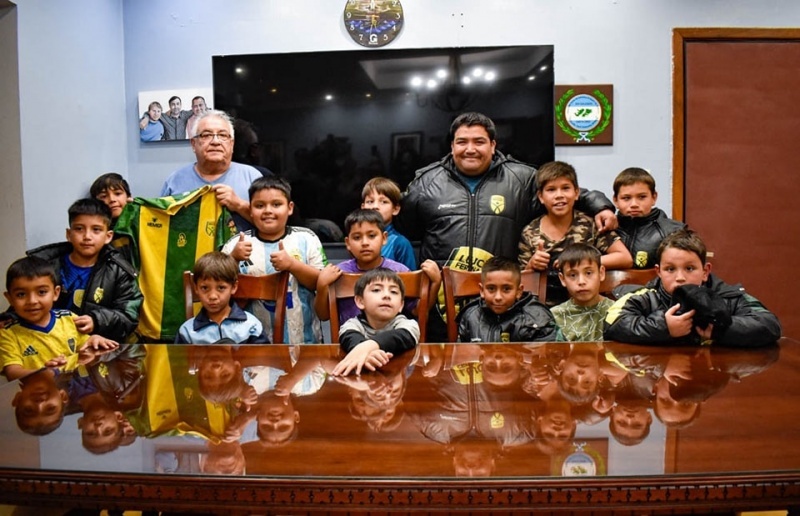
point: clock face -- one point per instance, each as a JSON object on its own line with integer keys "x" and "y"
{"x": 373, "y": 23}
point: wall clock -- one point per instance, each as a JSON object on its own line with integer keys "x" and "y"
{"x": 373, "y": 23}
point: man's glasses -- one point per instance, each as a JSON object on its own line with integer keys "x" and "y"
{"x": 207, "y": 137}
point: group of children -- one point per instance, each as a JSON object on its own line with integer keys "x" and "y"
{"x": 81, "y": 297}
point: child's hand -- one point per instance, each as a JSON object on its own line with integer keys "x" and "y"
{"x": 280, "y": 259}
{"x": 56, "y": 362}
{"x": 361, "y": 357}
{"x": 431, "y": 269}
{"x": 242, "y": 250}
{"x": 84, "y": 323}
{"x": 248, "y": 398}
{"x": 679, "y": 325}
{"x": 328, "y": 275}
{"x": 540, "y": 259}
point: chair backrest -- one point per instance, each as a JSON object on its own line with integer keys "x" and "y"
{"x": 615, "y": 278}
{"x": 463, "y": 284}
{"x": 270, "y": 287}
{"x": 416, "y": 283}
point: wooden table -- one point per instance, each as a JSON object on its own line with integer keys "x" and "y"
{"x": 486, "y": 428}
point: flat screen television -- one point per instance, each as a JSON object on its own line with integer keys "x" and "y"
{"x": 329, "y": 121}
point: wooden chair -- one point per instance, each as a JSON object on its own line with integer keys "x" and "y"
{"x": 417, "y": 285}
{"x": 615, "y": 278}
{"x": 271, "y": 287}
{"x": 463, "y": 284}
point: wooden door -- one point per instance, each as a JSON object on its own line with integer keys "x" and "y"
{"x": 737, "y": 156}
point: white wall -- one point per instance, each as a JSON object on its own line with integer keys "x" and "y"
{"x": 82, "y": 64}
{"x": 71, "y": 104}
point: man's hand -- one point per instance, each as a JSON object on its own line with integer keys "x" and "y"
{"x": 84, "y": 323}
{"x": 606, "y": 220}
{"x": 227, "y": 197}
{"x": 242, "y": 250}
{"x": 679, "y": 325}
{"x": 280, "y": 259}
{"x": 540, "y": 259}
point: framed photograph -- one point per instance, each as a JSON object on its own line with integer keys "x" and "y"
{"x": 170, "y": 114}
{"x": 406, "y": 145}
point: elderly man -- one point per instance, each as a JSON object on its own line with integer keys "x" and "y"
{"x": 473, "y": 204}
{"x": 213, "y": 147}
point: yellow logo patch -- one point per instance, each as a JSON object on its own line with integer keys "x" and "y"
{"x": 641, "y": 259}
{"x": 182, "y": 240}
{"x": 497, "y": 203}
{"x": 498, "y": 421}
{"x": 98, "y": 295}
{"x": 210, "y": 228}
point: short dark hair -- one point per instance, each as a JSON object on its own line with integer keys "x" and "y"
{"x": 685, "y": 240}
{"x": 470, "y": 119}
{"x": 90, "y": 206}
{"x": 31, "y": 267}
{"x": 378, "y": 274}
{"x": 575, "y": 253}
{"x": 382, "y": 186}
{"x": 271, "y": 183}
{"x": 217, "y": 266}
{"x": 555, "y": 170}
{"x": 633, "y": 175}
{"x": 110, "y": 181}
{"x": 173, "y": 98}
{"x": 501, "y": 263}
{"x": 361, "y": 216}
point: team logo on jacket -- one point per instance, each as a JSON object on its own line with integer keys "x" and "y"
{"x": 98, "y": 295}
{"x": 182, "y": 240}
{"x": 641, "y": 259}
{"x": 210, "y": 228}
{"x": 497, "y": 203}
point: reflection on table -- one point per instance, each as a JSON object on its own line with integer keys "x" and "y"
{"x": 459, "y": 410}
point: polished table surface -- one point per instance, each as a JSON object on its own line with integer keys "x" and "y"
{"x": 492, "y": 427}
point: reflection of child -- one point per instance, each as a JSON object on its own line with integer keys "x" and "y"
{"x": 40, "y": 404}
{"x": 371, "y": 339}
{"x": 102, "y": 427}
{"x": 580, "y": 271}
{"x": 277, "y": 419}
{"x": 630, "y": 421}
{"x": 150, "y": 128}
{"x": 219, "y": 375}
{"x": 216, "y": 279}
{"x": 581, "y": 372}
{"x": 223, "y": 459}
{"x": 383, "y": 195}
{"x": 505, "y": 313}
{"x": 41, "y": 337}
{"x": 554, "y": 426}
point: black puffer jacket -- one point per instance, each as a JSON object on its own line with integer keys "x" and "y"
{"x": 527, "y": 320}
{"x": 112, "y": 298}
{"x": 639, "y": 318}
{"x": 643, "y": 235}
{"x": 439, "y": 210}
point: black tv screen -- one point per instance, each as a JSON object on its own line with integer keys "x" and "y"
{"x": 329, "y": 121}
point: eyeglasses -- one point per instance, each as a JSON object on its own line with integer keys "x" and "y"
{"x": 207, "y": 137}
